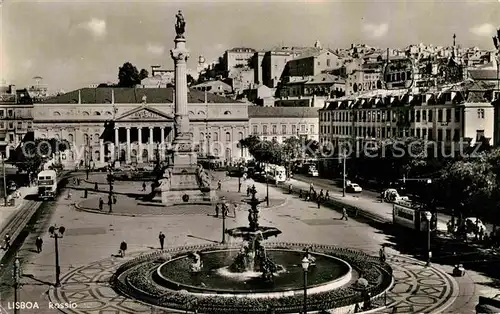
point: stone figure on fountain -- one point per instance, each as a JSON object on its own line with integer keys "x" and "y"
{"x": 180, "y": 25}
{"x": 203, "y": 177}
{"x": 164, "y": 182}
{"x": 197, "y": 264}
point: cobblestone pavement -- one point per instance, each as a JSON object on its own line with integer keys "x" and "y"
{"x": 416, "y": 289}
{"x": 90, "y": 238}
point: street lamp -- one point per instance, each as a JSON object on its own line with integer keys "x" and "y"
{"x": 4, "y": 181}
{"x": 428, "y": 217}
{"x": 223, "y": 223}
{"x": 57, "y": 233}
{"x": 239, "y": 177}
{"x": 267, "y": 186}
{"x": 111, "y": 179}
{"x": 305, "y": 268}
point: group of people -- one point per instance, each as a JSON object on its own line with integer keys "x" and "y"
{"x": 124, "y": 246}
{"x": 314, "y": 196}
{"x": 223, "y": 209}
{"x": 111, "y": 199}
{"x": 7, "y": 243}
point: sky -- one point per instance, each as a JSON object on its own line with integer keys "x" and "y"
{"x": 72, "y": 44}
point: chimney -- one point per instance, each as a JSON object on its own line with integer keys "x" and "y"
{"x": 12, "y": 89}
{"x": 79, "y": 96}
{"x": 112, "y": 96}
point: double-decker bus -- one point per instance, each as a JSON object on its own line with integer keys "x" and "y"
{"x": 412, "y": 216}
{"x": 47, "y": 185}
{"x": 275, "y": 173}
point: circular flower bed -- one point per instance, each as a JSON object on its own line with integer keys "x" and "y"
{"x": 135, "y": 279}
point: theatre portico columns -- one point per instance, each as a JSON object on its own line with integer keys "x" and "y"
{"x": 141, "y": 142}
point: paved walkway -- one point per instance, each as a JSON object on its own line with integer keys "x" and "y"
{"x": 91, "y": 239}
{"x": 7, "y": 212}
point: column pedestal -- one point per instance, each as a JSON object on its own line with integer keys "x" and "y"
{"x": 129, "y": 147}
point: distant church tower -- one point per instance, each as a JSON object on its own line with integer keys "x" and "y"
{"x": 317, "y": 44}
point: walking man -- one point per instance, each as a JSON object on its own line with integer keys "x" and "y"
{"x": 161, "y": 237}
{"x": 318, "y": 200}
{"x": 38, "y": 243}
{"x": 219, "y": 185}
{"x": 327, "y": 195}
{"x": 290, "y": 189}
{"x": 101, "y": 203}
{"x": 344, "y": 214}
{"x": 144, "y": 186}
{"x": 217, "y": 208}
{"x": 123, "y": 248}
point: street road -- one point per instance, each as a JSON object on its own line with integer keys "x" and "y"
{"x": 367, "y": 200}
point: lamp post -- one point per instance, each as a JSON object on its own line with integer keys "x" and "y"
{"x": 343, "y": 172}
{"x": 305, "y": 268}
{"x": 4, "y": 182}
{"x": 267, "y": 187}
{"x": 57, "y": 233}
{"x": 239, "y": 177}
{"x": 111, "y": 179}
{"x": 223, "y": 223}
{"x": 428, "y": 217}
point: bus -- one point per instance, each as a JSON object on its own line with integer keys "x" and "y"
{"x": 275, "y": 173}
{"x": 47, "y": 185}
{"x": 411, "y": 216}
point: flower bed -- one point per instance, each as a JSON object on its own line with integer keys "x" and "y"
{"x": 135, "y": 279}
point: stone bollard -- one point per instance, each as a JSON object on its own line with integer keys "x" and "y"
{"x": 85, "y": 193}
{"x": 96, "y": 186}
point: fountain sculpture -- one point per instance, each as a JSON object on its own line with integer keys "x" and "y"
{"x": 252, "y": 257}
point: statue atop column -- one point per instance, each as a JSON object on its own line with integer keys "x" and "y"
{"x": 180, "y": 25}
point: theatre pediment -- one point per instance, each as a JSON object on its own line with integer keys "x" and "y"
{"x": 146, "y": 114}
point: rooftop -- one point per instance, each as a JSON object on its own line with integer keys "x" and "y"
{"x": 123, "y": 95}
{"x": 282, "y": 112}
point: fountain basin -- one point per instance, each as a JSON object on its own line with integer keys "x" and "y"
{"x": 216, "y": 279}
{"x": 246, "y": 233}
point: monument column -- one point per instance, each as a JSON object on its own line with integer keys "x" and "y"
{"x": 115, "y": 151}
{"x": 139, "y": 144}
{"x": 180, "y": 54}
{"x": 129, "y": 148}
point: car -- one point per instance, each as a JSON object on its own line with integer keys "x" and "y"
{"x": 473, "y": 224}
{"x": 353, "y": 188}
{"x": 11, "y": 186}
{"x": 313, "y": 172}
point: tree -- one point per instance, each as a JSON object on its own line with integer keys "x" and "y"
{"x": 263, "y": 151}
{"x": 128, "y": 76}
{"x": 31, "y": 155}
{"x": 143, "y": 74}
{"x": 311, "y": 147}
{"x": 190, "y": 80}
{"x": 291, "y": 147}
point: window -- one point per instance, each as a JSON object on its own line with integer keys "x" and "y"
{"x": 440, "y": 115}
{"x": 457, "y": 114}
{"x": 264, "y": 129}
{"x": 294, "y": 129}
{"x": 448, "y": 115}
{"x": 11, "y": 137}
{"x": 448, "y": 135}
{"x": 302, "y": 128}
{"x": 216, "y": 136}
{"x": 311, "y": 129}
{"x": 456, "y": 135}
{"x": 10, "y": 113}
{"x": 424, "y": 134}
{"x": 2, "y": 113}
{"x": 479, "y": 134}
{"x": 440, "y": 135}
{"x": 70, "y": 138}
{"x": 254, "y": 129}
{"x": 417, "y": 133}
{"x": 97, "y": 113}
{"x": 228, "y": 137}
{"x": 480, "y": 113}
{"x": 2, "y": 125}
{"x": 430, "y": 116}
{"x": 424, "y": 115}
{"x": 327, "y": 62}
{"x": 86, "y": 138}
{"x": 274, "y": 129}
{"x": 283, "y": 129}
{"x": 417, "y": 117}
{"x": 11, "y": 125}
{"x": 96, "y": 138}
{"x": 227, "y": 113}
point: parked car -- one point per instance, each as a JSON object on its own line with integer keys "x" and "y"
{"x": 353, "y": 188}
{"x": 473, "y": 224}
{"x": 11, "y": 186}
{"x": 313, "y": 172}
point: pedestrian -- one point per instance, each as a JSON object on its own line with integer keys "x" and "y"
{"x": 101, "y": 203}
{"x": 123, "y": 248}
{"x": 219, "y": 185}
{"x": 144, "y": 186}
{"x": 235, "y": 208}
{"x": 290, "y": 189}
{"x": 300, "y": 194}
{"x": 311, "y": 187}
{"x": 239, "y": 186}
{"x": 69, "y": 194}
{"x": 344, "y": 214}
{"x": 114, "y": 199}
{"x": 161, "y": 237}
{"x": 38, "y": 243}
{"x": 381, "y": 255}
{"x": 318, "y": 200}
{"x": 7, "y": 242}
{"x": 217, "y": 208}
{"x": 96, "y": 186}
{"x": 381, "y": 197}
{"x": 327, "y": 195}
{"x": 248, "y": 190}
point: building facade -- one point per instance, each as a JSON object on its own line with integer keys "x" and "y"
{"x": 279, "y": 123}
{"x": 16, "y": 119}
{"x": 143, "y": 124}
{"x": 448, "y": 117}
{"x": 236, "y": 57}
{"x": 314, "y": 62}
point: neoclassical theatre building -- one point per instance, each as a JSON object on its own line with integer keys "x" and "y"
{"x": 143, "y": 124}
